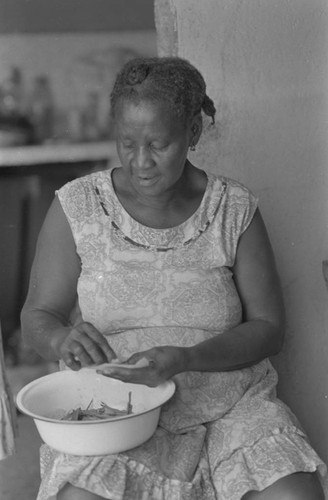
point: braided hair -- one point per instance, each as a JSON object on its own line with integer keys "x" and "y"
{"x": 163, "y": 79}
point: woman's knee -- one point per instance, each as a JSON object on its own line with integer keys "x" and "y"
{"x": 70, "y": 492}
{"x": 298, "y": 486}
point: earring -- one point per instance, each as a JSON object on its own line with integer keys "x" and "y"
{"x": 192, "y": 147}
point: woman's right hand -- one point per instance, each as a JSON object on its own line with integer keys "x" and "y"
{"x": 81, "y": 345}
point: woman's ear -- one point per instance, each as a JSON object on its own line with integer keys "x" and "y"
{"x": 196, "y": 128}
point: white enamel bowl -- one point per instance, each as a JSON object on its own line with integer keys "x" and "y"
{"x": 45, "y": 397}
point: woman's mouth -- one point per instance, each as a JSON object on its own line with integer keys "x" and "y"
{"x": 146, "y": 181}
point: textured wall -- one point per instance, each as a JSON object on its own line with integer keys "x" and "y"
{"x": 266, "y": 68}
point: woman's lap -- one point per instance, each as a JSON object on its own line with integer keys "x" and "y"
{"x": 265, "y": 462}
{"x": 70, "y": 492}
{"x": 298, "y": 486}
{"x": 249, "y": 449}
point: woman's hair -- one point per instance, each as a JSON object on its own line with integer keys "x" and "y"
{"x": 171, "y": 80}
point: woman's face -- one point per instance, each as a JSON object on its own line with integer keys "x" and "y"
{"x": 152, "y": 145}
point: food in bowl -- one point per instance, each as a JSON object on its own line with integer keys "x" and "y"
{"x": 60, "y": 392}
{"x": 104, "y": 411}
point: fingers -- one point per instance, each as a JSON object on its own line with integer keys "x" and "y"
{"x": 71, "y": 361}
{"x": 75, "y": 355}
{"x": 85, "y": 346}
{"x": 126, "y": 367}
{"x": 135, "y": 376}
{"x": 99, "y": 343}
{"x": 151, "y": 367}
{"x": 143, "y": 372}
{"x": 138, "y": 359}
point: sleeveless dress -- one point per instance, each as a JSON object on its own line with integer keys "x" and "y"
{"x": 222, "y": 434}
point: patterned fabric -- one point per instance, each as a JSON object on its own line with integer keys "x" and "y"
{"x": 222, "y": 434}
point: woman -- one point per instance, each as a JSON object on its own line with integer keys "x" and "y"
{"x": 165, "y": 262}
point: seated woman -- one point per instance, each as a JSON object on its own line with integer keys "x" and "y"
{"x": 172, "y": 264}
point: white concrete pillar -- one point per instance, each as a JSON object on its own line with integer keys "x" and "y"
{"x": 266, "y": 67}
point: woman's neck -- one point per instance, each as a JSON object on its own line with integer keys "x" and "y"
{"x": 169, "y": 209}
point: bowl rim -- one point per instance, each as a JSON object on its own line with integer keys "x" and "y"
{"x": 170, "y": 384}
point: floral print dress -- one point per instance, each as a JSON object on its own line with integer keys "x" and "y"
{"x": 222, "y": 434}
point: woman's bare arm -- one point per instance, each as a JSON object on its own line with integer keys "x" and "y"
{"x": 52, "y": 295}
{"x": 261, "y": 333}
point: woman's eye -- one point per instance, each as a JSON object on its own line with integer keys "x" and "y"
{"x": 127, "y": 145}
{"x": 158, "y": 146}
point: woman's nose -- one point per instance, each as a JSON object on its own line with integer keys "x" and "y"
{"x": 142, "y": 158}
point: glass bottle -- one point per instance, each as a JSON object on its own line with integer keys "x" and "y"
{"x": 90, "y": 118}
{"x": 12, "y": 94}
{"x": 41, "y": 109}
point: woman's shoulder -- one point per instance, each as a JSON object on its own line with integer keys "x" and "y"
{"x": 79, "y": 197}
{"x": 86, "y": 183}
{"x": 232, "y": 187}
{"x": 235, "y": 204}
{"x": 229, "y": 193}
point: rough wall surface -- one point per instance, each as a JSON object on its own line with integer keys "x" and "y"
{"x": 166, "y": 27}
{"x": 266, "y": 67}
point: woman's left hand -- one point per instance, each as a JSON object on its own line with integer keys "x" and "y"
{"x": 161, "y": 363}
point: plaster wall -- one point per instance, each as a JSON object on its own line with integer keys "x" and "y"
{"x": 266, "y": 67}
